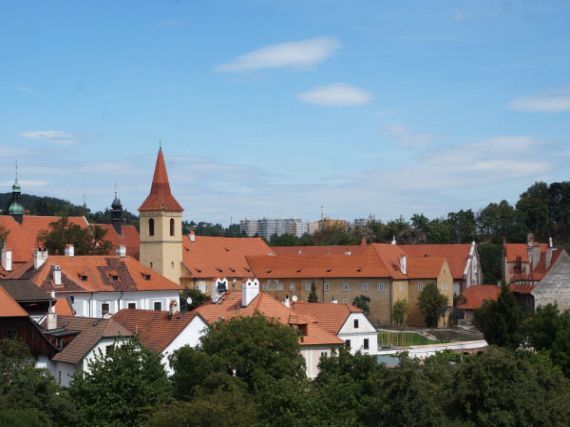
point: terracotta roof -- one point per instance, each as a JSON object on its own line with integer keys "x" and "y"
{"x": 155, "y": 329}
{"x": 91, "y": 331}
{"x": 22, "y": 238}
{"x": 63, "y": 307}
{"x": 390, "y": 256}
{"x": 24, "y": 291}
{"x": 366, "y": 264}
{"x": 160, "y": 197}
{"x": 95, "y": 274}
{"x": 129, "y": 237}
{"x": 9, "y": 307}
{"x": 523, "y": 287}
{"x": 318, "y": 250}
{"x": 425, "y": 267}
{"x": 456, "y": 255}
{"x": 212, "y": 257}
{"x": 476, "y": 295}
{"x": 331, "y": 317}
{"x": 515, "y": 250}
{"x": 268, "y": 306}
{"x": 538, "y": 272}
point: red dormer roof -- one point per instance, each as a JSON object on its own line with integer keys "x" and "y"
{"x": 160, "y": 197}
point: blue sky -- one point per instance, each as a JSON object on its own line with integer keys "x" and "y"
{"x": 274, "y": 108}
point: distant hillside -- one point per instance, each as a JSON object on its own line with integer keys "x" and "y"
{"x": 43, "y": 205}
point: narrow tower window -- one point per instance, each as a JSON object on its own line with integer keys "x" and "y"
{"x": 151, "y": 227}
{"x": 172, "y": 226}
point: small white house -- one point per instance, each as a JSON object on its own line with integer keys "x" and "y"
{"x": 162, "y": 332}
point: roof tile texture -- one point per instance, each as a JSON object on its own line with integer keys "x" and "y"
{"x": 160, "y": 197}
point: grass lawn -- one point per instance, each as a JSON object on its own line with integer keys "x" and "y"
{"x": 402, "y": 339}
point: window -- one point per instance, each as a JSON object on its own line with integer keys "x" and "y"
{"x": 345, "y": 301}
{"x": 401, "y": 287}
{"x": 171, "y": 264}
{"x": 12, "y": 333}
{"x": 292, "y": 286}
{"x": 355, "y": 323}
{"x": 72, "y": 299}
{"x": 326, "y": 286}
{"x": 132, "y": 306}
{"x": 150, "y": 265}
{"x": 308, "y": 286}
{"x": 104, "y": 308}
{"x": 157, "y": 306}
{"x": 266, "y": 286}
{"x": 346, "y": 287}
{"x": 366, "y": 344}
{"x": 172, "y": 226}
{"x": 59, "y": 377}
{"x": 381, "y": 286}
{"x": 151, "y": 227}
{"x": 347, "y": 344}
{"x": 420, "y": 286}
{"x": 324, "y": 354}
{"x": 365, "y": 287}
{"x": 279, "y": 286}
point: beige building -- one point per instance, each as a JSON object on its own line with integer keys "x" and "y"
{"x": 161, "y": 226}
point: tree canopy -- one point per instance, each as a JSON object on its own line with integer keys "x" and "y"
{"x": 431, "y": 303}
{"x": 86, "y": 240}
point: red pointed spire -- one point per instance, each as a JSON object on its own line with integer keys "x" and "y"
{"x": 160, "y": 197}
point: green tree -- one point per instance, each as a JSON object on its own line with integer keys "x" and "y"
{"x": 501, "y": 321}
{"x": 399, "y": 312}
{"x": 505, "y": 388}
{"x": 254, "y": 349}
{"x": 86, "y": 240}
{"x": 362, "y": 302}
{"x": 533, "y": 205}
{"x": 490, "y": 257}
{"x": 283, "y": 240}
{"x": 313, "y": 297}
{"x": 122, "y": 387}
{"x": 29, "y": 396}
{"x": 198, "y": 298}
{"x": 560, "y": 350}
{"x": 431, "y": 303}
{"x": 191, "y": 368}
{"x": 543, "y": 326}
{"x": 463, "y": 226}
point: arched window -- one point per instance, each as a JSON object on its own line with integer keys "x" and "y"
{"x": 172, "y": 226}
{"x": 151, "y": 227}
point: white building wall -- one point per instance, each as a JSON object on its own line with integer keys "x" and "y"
{"x": 357, "y": 336}
{"x": 312, "y": 356}
{"x": 90, "y": 304}
{"x": 189, "y": 336}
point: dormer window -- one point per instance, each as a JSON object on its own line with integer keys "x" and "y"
{"x": 83, "y": 277}
{"x": 114, "y": 276}
{"x": 145, "y": 276}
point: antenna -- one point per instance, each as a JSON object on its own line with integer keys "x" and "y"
{"x": 16, "y": 171}
{"x": 115, "y": 185}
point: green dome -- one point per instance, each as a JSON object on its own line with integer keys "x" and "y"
{"x": 16, "y": 209}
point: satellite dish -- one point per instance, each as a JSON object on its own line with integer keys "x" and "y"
{"x": 189, "y": 300}
{"x": 294, "y": 298}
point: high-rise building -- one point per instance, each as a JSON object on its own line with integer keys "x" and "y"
{"x": 267, "y": 227}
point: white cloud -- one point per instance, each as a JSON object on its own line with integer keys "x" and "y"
{"x": 403, "y": 136}
{"x": 297, "y": 54}
{"x": 553, "y": 102}
{"x": 25, "y": 89}
{"x": 459, "y": 15}
{"x": 51, "y": 136}
{"x": 336, "y": 95}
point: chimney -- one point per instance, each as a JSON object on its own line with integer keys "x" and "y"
{"x": 249, "y": 290}
{"x": 57, "y": 275}
{"x": 40, "y": 256}
{"x": 334, "y": 301}
{"x": 286, "y": 301}
{"x": 51, "y": 322}
{"x": 6, "y": 259}
{"x": 121, "y": 251}
{"x": 69, "y": 250}
{"x": 403, "y": 264}
{"x": 530, "y": 239}
{"x": 192, "y": 235}
{"x": 550, "y": 243}
{"x": 172, "y": 308}
{"x": 393, "y": 240}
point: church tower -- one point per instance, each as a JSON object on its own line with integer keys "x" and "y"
{"x": 16, "y": 209}
{"x": 161, "y": 226}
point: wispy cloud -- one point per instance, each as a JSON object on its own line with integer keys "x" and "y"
{"x": 459, "y": 15}
{"x": 337, "y": 95}
{"x": 405, "y": 137}
{"x": 25, "y": 89}
{"x": 552, "y": 102}
{"x": 296, "y": 54}
{"x": 51, "y": 136}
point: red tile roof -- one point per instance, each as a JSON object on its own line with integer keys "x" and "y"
{"x": 331, "y": 317}
{"x": 9, "y": 307}
{"x": 425, "y": 268}
{"x": 268, "y": 306}
{"x": 212, "y": 257}
{"x": 129, "y": 237}
{"x": 95, "y": 274}
{"x": 155, "y": 329}
{"x": 63, "y": 307}
{"x": 318, "y": 250}
{"x": 476, "y": 295}
{"x": 513, "y": 251}
{"x": 456, "y": 255}
{"x": 160, "y": 197}
{"x": 22, "y": 238}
